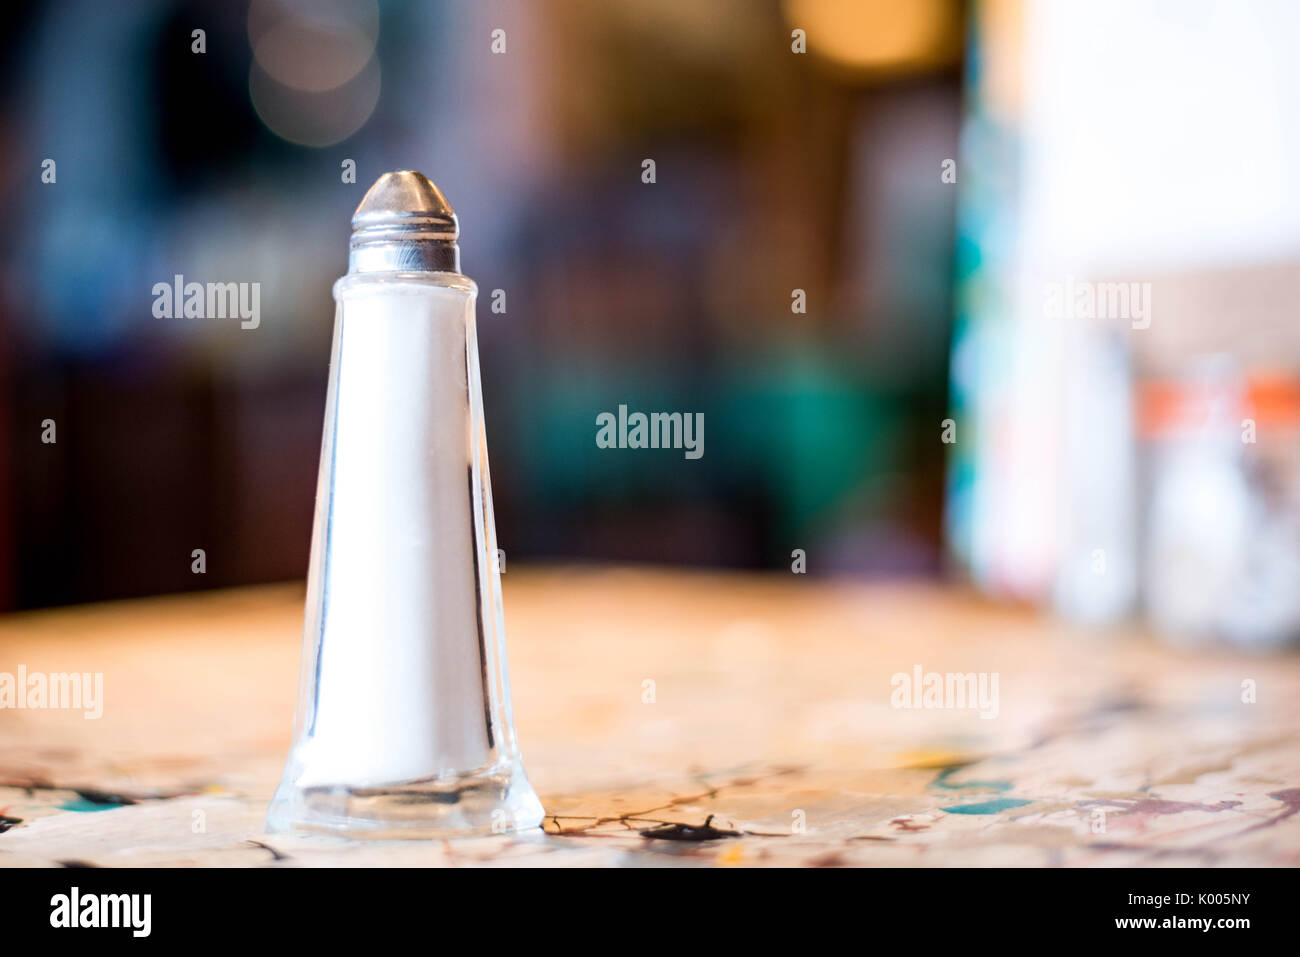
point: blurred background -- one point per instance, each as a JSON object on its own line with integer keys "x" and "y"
{"x": 929, "y": 173}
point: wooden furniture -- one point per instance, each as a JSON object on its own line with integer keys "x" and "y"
{"x": 646, "y": 699}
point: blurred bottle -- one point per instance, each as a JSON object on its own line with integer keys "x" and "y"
{"x": 1222, "y": 558}
{"x": 1096, "y": 573}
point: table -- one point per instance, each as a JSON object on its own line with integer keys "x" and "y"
{"x": 649, "y": 702}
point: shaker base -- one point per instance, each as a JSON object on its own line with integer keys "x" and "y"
{"x": 493, "y": 801}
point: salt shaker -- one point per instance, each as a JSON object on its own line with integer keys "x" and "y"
{"x": 404, "y": 725}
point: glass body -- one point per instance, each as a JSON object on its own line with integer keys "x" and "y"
{"x": 404, "y": 725}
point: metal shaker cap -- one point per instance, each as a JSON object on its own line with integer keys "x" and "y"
{"x": 404, "y": 224}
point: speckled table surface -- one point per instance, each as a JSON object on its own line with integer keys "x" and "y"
{"x": 764, "y": 705}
